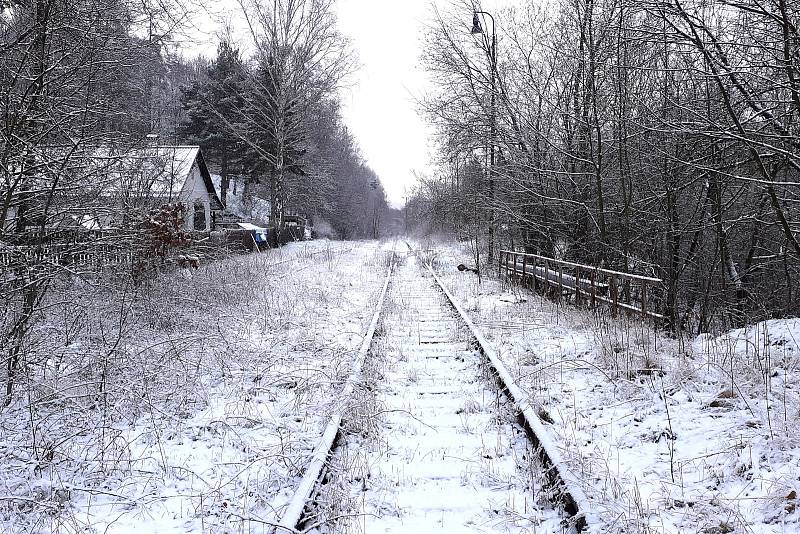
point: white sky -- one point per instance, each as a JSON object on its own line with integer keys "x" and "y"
{"x": 379, "y": 108}
{"x": 379, "y": 105}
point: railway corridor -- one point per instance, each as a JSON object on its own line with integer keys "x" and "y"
{"x": 448, "y": 457}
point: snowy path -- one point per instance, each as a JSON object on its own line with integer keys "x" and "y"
{"x": 445, "y": 460}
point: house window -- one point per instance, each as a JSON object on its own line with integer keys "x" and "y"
{"x": 199, "y": 215}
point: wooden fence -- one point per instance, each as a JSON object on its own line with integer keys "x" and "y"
{"x": 84, "y": 255}
{"x": 111, "y": 250}
{"x": 591, "y": 285}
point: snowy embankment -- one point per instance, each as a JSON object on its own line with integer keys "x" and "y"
{"x": 667, "y": 436}
{"x": 189, "y": 404}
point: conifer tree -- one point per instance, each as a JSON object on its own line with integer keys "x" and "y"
{"x": 213, "y": 107}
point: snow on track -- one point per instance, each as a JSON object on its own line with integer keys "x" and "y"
{"x": 447, "y": 458}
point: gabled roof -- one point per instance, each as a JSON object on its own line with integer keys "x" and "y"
{"x": 216, "y": 203}
{"x": 164, "y": 169}
{"x": 106, "y": 170}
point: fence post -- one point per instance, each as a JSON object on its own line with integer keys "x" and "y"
{"x": 613, "y": 282}
{"x": 626, "y": 291}
{"x": 546, "y": 277}
{"x": 514, "y": 268}
{"x": 560, "y": 281}
{"x": 593, "y": 282}
{"x": 534, "y": 273}
{"x": 524, "y": 267}
{"x": 577, "y": 286}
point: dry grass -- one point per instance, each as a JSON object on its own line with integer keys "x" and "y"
{"x": 116, "y": 377}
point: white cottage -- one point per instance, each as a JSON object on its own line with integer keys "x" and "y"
{"x": 173, "y": 174}
{"x": 103, "y": 187}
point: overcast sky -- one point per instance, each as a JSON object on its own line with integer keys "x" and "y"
{"x": 379, "y": 108}
{"x": 379, "y": 105}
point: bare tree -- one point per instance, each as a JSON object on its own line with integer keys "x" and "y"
{"x": 301, "y": 60}
{"x": 655, "y": 136}
{"x": 64, "y": 67}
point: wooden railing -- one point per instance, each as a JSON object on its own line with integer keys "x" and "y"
{"x": 590, "y": 285}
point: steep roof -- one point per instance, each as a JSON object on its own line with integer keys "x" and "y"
{"x": 163, "y": 170}
{"x": 106, "y": 170}
{"x": 216, "y": 203}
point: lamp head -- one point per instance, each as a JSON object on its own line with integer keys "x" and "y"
{"x": 476, "y": 24}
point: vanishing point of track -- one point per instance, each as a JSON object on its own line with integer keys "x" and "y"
{"x": 436, "y": 324}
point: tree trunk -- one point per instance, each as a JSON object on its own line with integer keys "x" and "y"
{"x": 225, "y": 182}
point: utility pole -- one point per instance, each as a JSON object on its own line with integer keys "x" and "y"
{"x": 405, "y": 211}
{"x": 478, "y": 29}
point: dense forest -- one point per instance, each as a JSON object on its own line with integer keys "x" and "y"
{"x": 275, "y": 122}
{"x": 656, "y": 137}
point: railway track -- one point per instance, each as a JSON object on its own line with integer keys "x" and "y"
{"x": 458, "y": 450}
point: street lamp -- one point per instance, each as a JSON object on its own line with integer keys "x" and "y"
{"x": 477, "y": 29}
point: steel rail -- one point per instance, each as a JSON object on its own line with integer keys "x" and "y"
{"x": 293, "y": 513}
{"x": 562, "y": 480}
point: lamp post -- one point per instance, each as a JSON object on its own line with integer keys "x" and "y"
{"x": 477, "y": 28}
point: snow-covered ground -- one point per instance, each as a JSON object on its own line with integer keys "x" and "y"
{"x": 444, "y": 454}
{"x": 189, "y": 404}
{"x": 667, "y": 435}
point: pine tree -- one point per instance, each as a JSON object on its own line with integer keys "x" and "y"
{"x": 213, "y": 107}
